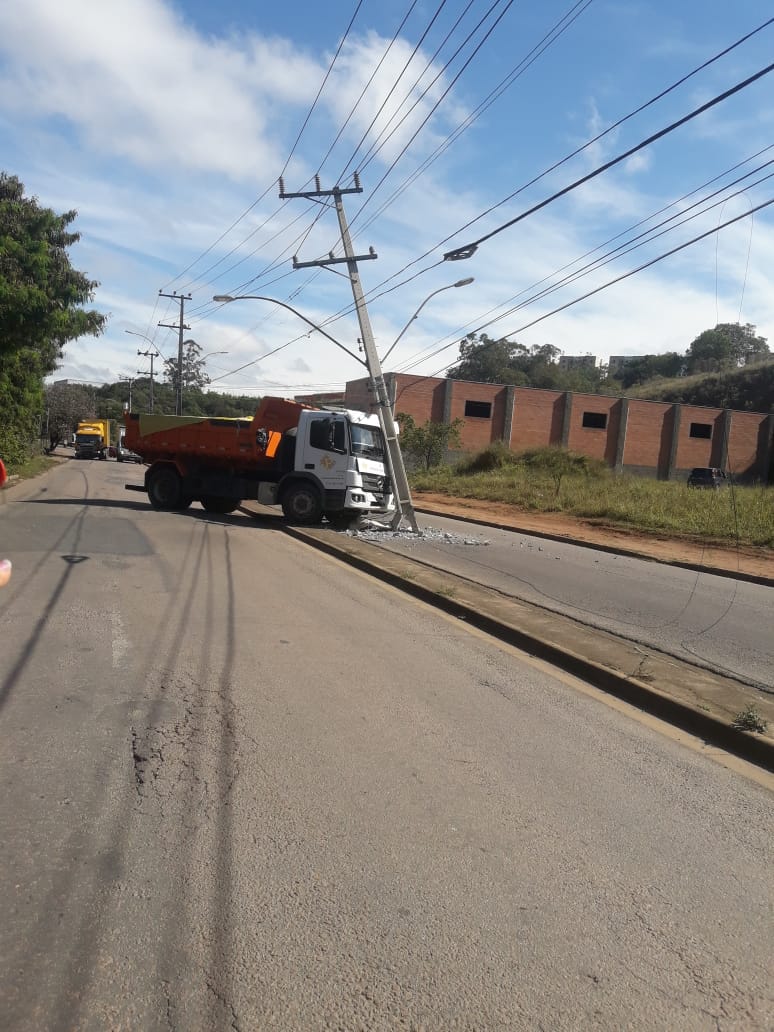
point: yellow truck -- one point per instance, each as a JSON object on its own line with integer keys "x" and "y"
{"x": 91, "y": 437}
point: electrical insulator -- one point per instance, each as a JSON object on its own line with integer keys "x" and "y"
{"x": 357, "y": 180}
{"x": 317, "y": 183}
{"x": 281, "y": 186}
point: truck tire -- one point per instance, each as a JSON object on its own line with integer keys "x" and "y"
{"x": 165, "y": 489}
{"x": 302, "y": 504}
{"x": 214, "y": 503}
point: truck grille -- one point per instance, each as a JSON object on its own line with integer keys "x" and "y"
{"x": 374, "y": 483}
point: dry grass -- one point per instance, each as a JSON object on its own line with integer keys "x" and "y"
{"x": 739, "y": 514}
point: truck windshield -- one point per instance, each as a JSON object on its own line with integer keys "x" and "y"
{"x": 367, "y": 441}
{"x": 88, "y": 438}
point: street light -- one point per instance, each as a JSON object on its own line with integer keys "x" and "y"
{"x": 459, "y": 283}
{"x": 228, "y": 298}
{"x": 211, "y": 353}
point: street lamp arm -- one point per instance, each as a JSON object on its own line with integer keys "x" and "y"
{"x": 449, "y": 286}
{"x": 227, "y": 298}
{"x": 134, "y": 333}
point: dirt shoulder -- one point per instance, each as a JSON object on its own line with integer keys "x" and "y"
{"x": 711, "y": 555}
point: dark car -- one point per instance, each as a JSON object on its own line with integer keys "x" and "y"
{"x": 707, "y": 476}
{"x": 125, "y": 455}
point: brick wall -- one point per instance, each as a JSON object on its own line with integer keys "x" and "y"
{"x": 599, "y": 442}
{"x": 648, "y": 436}
{"x": 478, "y": 430}
{"x": 537, "y": 418}
{"x": 746, "y": 445}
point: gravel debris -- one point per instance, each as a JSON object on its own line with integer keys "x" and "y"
{"x": 427, "y": 534}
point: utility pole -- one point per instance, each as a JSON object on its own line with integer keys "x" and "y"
{"x": 151, "y": 355}
{"x": 180, "y": 327}
{"x": 400, "y": 484}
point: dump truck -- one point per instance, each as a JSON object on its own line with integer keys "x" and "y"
{"x": 91, "y": 437}
{"x": 312, "y": 462}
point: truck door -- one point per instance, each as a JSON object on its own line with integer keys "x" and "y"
{"x": 325, "y": 452}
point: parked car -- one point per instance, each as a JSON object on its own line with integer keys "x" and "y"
{"x": 125, "y": 455}
{"x": 707, "y": 476}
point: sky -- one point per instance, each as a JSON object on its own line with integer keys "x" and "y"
{"x": 167, "y": 126}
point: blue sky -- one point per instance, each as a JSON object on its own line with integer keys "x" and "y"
{"x": 163, "y": 124}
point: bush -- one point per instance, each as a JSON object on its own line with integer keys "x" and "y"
{"x": 496, "y": 456}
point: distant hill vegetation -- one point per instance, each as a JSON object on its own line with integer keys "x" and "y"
{"x": 750, "y": 388}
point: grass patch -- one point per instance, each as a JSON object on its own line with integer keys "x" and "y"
{"x": 749, "y": 719}
{"x": 552, "y": 480}
{"x": 32, "y": 467}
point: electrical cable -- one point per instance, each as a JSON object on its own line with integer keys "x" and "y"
{"x": 618, "y": 279}
{"x": 460, "y": 253}
{"x": 705, "y": 64}
{"x": 392, "y": 90}
{"x": 377, "y": 144}
{"x": 505, "y": 83}
{"x": 477, "y": 323}
{"x": 363, "y": 92}
{"x": 270, "y": 187}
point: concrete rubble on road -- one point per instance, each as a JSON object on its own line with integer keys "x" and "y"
{"x": 374, "y": 532}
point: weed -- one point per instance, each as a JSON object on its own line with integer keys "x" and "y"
{"x": 446, "y": 592}
{"x": 749, "y": 719}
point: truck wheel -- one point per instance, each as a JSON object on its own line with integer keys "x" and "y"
{"x": 302, "y": 504}
{"x": 214, "y": 503}
{"x": 164, "y": 489}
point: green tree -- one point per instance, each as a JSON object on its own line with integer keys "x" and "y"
{"x": 428, "y": 443}
{"x": 648, "y": 367}
{"x": 728, "y": 346}
{"x": 65, "y": 405}
{"x": 486, "y": 360}
{"x": 41, "y": 309}
{"x": 194, "y": 376}
{"x": 745, "y": 343}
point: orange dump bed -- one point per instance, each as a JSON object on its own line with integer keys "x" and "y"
{"x": 246, "y": 443}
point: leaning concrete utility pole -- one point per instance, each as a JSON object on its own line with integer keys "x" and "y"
{"x": 403, "y": 504}
{"x": 180, "y": 327}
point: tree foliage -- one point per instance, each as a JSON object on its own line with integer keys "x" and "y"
{"x": 428, "y": 443}
{"x": 194, "y": 375}
{"x": 41, "y": 309}
{"x": 111, "y": 399}
{"x": 487, "y": 360}
{"x": 728, "y": 346}
{"x": 66, "y": 405}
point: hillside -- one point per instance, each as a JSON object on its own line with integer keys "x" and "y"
{"x": 750, "y": 389}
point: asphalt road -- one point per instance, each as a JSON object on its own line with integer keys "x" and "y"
{"x": 245, "y": 787}
{"x": 716, "y": 622}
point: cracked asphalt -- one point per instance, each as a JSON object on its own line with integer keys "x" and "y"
{"x": 246, "y": 787}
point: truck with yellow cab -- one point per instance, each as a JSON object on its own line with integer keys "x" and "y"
{"x": 314, "y": 463}
{"x": 92, "y": 438}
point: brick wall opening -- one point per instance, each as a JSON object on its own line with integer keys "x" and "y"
{"x": 703, "y": 430}
{"x": 595, "y": 420}
{"x": 478, "y": 409}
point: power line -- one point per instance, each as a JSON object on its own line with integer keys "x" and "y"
{"x": 418, "y": 357}
{"x": 270, "y": 187}
{"x": 393, "y": 88}
{"x": 578, "y": 150}
{"x": 619, "y": 279}
{"x": 558, "y": 29}
{"x": 467, "y": 250}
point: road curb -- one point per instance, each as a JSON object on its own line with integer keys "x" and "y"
{"x": 711, "y": 729}
{"x": 716, "y": 571}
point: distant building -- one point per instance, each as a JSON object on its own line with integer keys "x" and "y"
{"x": 616, "y": 363}
{"x": 577, "y": 361}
